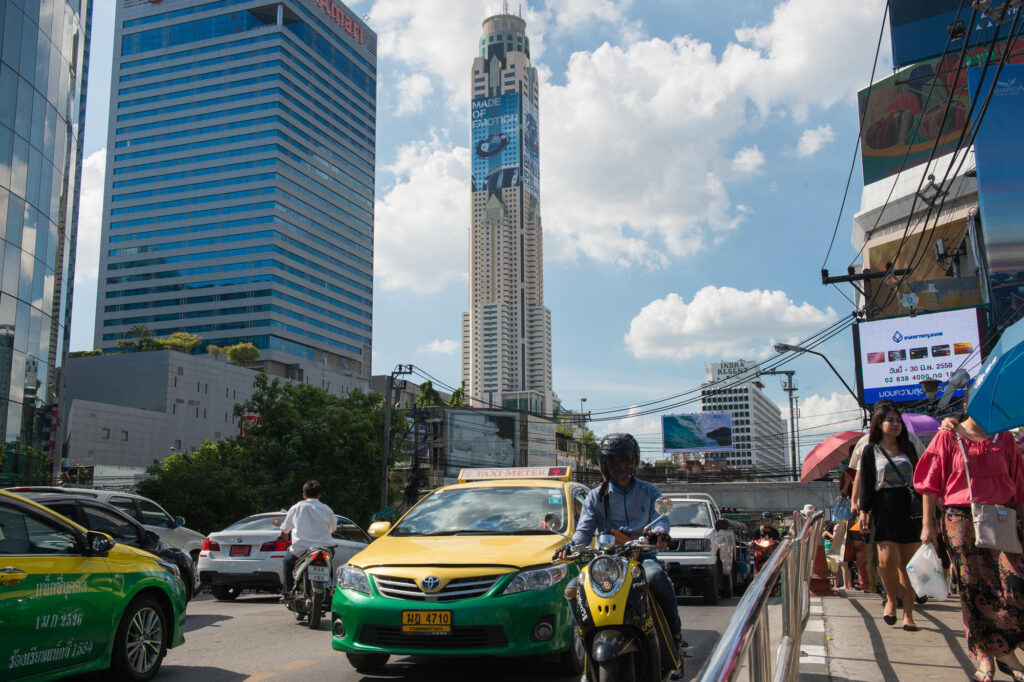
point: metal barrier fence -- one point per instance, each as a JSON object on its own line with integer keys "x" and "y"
{"x": 747, "y": 633}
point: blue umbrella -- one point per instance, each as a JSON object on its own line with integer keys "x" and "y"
{"x": 997, "y": 399}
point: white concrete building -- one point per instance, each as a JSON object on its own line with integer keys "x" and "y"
{"x": 759, "y": 432}
{"x": 506, "y": 334}
{"x": 123, "y": 411}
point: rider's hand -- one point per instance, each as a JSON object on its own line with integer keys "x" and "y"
{"x": 561, "y": 553}
{"x": 661, "y": 540}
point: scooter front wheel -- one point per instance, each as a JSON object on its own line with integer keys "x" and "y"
{"x": 618, "y": 670}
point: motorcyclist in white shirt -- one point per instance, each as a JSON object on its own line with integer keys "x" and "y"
{"x": 310, "y": 523}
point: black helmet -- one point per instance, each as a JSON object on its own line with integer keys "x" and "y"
{"x": 766, "y": 515}
{"x": 615, "y": 448}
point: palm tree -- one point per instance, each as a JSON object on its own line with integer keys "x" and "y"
{"x": 141, "y": 333}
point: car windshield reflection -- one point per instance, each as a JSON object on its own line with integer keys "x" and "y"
{"x": 487, "y": 511}
{"x": 690, "y": 514}
{"x": 272, "y": 522}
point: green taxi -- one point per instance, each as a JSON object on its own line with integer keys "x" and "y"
{"x": 72, "y": 601}
{"x": 467, "y": 571}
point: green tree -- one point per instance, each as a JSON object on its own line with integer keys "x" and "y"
{"x": 142, "y": 334}
{"x": 458, "y": 398}
{"x": 85, "y": 353}
{"x": 181, "y": 341}
{"x": 209, "y": 486}
{"x": 242, "y": 354}
{"x": 214, "y": 351}
{"x": 428, "y": 397}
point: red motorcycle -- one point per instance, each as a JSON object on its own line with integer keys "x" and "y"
{"x": 762, "y": 550}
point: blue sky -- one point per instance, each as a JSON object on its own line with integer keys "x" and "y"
{"x": 693, "y": 159}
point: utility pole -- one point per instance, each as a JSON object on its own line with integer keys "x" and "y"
{"x": 790, "y": 388}
{"x": 388, "y": 396}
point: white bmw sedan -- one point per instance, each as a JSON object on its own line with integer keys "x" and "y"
{"x": 249, "y": 554}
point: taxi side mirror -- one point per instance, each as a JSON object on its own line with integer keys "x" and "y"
{"x": 379, "y": 529}
{"x": 97, "y": 543}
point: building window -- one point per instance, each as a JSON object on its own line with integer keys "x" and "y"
{"x": 124, "y": 435}
{"x": 105, "y": 434}
{"x": 177, "y": 444}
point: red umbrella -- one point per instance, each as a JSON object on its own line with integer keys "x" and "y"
{"x": 827, "y": 454}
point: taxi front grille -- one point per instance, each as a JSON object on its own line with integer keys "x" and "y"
{"x": 470, "y": 637}
{"x": 459, "y": 588}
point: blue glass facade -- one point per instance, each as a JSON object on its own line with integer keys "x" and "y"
{"x": 239, "y": 202}
{"x": 44, "y": 57}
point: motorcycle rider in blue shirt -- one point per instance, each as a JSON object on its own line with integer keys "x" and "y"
{"x": 624, "y": 504}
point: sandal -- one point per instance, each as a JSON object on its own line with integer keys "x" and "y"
{"x": 981, "y": 676}
{"x": 1017, "y": 675}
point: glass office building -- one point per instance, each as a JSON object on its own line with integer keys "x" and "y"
{"x": 44, "y": 62}
{"x": 240, "y": 180}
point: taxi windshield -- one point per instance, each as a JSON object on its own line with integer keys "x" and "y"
{"x": 508, "y": 510}
{"x": 690, "y": 514}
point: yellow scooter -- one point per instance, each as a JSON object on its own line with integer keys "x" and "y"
{"x": 625, "y": 634}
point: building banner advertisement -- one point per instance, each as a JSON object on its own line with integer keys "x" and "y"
{"x": 896, "y": 354}
{"x": 999, "y": 148}
{"x": 531, "y": 149}
{"x": 495, "y": 125}
{"x": 921, "y": 29}
{"x": 902, "y": 116}
{"x": 482, "y": 439}
{"x": 701, "y": 432}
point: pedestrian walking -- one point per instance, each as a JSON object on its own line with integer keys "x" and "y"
{"x": 842, "y": 515}
{"x": 959, "y": 467}
{"x": 887, "y": 507}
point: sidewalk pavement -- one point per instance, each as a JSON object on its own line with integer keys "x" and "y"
{"x": 846, "y": 639}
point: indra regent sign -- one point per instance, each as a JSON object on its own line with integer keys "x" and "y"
{"x": 341, "y": 18}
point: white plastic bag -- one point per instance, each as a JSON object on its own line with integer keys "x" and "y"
{"x": 925, "y": 571}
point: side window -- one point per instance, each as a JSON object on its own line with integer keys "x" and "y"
{"x": 578, "y": 495}
{"x": 23, "y": 533}
{"x": 125, "y": 504}
{"x": 65, "y": 509}
{"x": 153, "y": 515}
{"x": 109, "y": 523}
{"x": 351, "y": 534}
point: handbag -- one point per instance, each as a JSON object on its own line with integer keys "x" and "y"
{"x": 995, "y": 526}
{"x": 916, "y": 503}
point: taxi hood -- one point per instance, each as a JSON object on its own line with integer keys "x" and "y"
{"x": 512, "y": 551}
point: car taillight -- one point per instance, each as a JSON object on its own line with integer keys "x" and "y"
{"x": 209, "y": 545}
{"x": 278, "y": 545}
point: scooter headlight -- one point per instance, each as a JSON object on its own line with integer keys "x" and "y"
{"x": 606, "y": 575}
{"x": 538, "y": 579}
{"x": 352, "y": 578}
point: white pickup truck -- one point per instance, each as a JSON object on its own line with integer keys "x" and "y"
{"x": 700, "y": 558}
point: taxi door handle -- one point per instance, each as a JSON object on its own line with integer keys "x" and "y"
{"x": 11, "y": 576}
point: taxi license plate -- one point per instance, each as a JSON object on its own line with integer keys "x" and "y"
{"x": 319, "y": 573}
{"x": 239, "y": 550}
{"x": 427, "y": 622}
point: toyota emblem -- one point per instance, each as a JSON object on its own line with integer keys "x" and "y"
{"x": 431, "y": 583}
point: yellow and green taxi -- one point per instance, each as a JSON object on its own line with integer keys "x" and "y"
{"x": 71, "y": 600}
{"x": 467, "y": 571}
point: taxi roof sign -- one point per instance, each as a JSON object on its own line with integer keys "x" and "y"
{"x": 506, "y": 473}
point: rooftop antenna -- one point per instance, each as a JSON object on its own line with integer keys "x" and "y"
{"x": 504, "y": 7}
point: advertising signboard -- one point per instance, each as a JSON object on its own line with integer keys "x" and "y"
{"x": 920, "y": 29}
{"x": 727, "y": 369}
{"x": 482, "y": 439}
{"x": 496, "y": 140}
{"x": 894, "y": 355}
{"x": 701, "y": 432}
{"x": 999, "y": 148}
{"x": 531, "y": 149}
{"x": 902, "y": 115}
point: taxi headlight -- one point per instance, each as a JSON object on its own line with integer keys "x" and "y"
{"x": 352, "y": 578}
{"x": 537, "y": 579}
{"x": 605, "y": 575}
{"x": 170, "y": 567}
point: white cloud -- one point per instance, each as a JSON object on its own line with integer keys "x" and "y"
{"x": 413, "y": 91}
{"x": 813, "y": 139}
{"x": 721, "y": 322}
{"x": 568, "y": 15}
{"x": 668, "y": 110}
{"x": 821, "y": 416}
{"x": 87, "y": 250}
{"x": 421, "y": 222}
{"x": 440, "y": 347}
{"x": 748, "y": 161}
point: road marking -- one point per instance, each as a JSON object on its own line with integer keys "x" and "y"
{"x": 296, "y": 665}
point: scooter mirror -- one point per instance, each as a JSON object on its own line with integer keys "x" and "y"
{"x": 663, "y": 506}
{"x": 605, "y": 541}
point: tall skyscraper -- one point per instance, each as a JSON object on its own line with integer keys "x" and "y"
{"x": 506, "y": 335}
{"x": 45, "y": 60}
{"x": 240, "y": 180}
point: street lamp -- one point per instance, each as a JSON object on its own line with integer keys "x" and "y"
{"x": 785, "y": 347}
